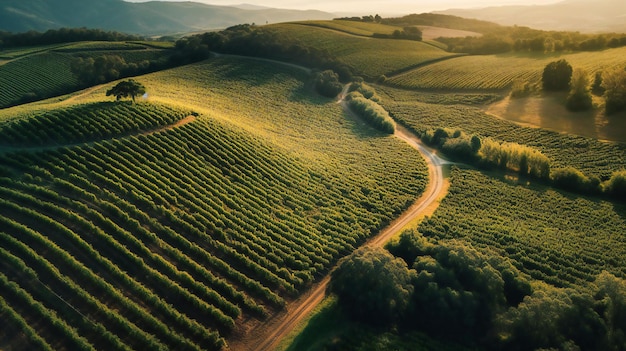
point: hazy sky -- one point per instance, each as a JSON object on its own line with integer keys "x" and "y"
{"x": 370, "y": 6}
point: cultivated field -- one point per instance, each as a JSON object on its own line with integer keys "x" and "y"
{"x": 36, "y": 73}
{"x": 497, "y": 72}
{"x": 369, "y": 57}
{"x": 166, "y": 240}
{"x": 561, "y": 239}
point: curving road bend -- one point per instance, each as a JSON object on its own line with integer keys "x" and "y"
{"x": 268, "y": 336}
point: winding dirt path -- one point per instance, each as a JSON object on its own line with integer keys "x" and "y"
{"x": 266, "y": 336}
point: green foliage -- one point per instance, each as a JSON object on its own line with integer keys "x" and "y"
{"x": 35, "y": 77}
{"x": 62, "y": 35}
{"x": 327, "y": 83}
{"x": 459, "y": 291}
{"x": 614, "y": 85}
{"x": 128, "y": 88}
{"x": 320, "y": 48}
{"x": 366, "y": 90}
{"x": 372, "y": 286}
{"x": 478, "y": 298}
{"x": 489, "y": 153}
{"x": 372, "y": 112}
{"x": 557, "y": 76}
{"x": 579, "y": 97}
{"x": 520, "y": 88}
{"x": 420, "y": 112}
{"x": 616, "y": 185}
{"x": 574, "y": 180}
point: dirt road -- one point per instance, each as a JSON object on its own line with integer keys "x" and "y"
{"x": 267, "y": 336}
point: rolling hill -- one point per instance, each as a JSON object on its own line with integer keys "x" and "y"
{"x": 121, "y": 228}
{"x": 151, "y": 18}
{"x": 571, "y": 15}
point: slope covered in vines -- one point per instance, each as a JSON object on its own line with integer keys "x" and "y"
{"x": 170, "y": 240}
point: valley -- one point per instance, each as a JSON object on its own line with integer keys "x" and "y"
{"x": 213, "y": 210}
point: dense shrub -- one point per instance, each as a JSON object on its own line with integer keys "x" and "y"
{"x": 579, "y": 98}
{"x": 614, "y": 85}
{"x": 372, "y": 113}
{"x": 373, "y": 286}
{"x": 480, "y": 299}
{"x": 572, "y": 179}
{"x": 616, "y": 186}
{"x": 327, "y": 83}
{"x": 557, "y": 76}
{"x": 367, "y": 91}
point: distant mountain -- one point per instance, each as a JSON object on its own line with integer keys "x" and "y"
{"x": 588, "y": 16}
{"x": 149, "y": 18}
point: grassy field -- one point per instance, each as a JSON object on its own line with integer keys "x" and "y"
{"x": 496, "y": 72}
{"x": 361, "y": 53}
{"x": 166, "y": 240}
{"x": 422, "y": 111}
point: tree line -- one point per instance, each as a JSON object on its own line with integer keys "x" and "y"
{"x": 250, "y": 40}
{"x": 526, "y": 161}
{"x": 62, "y": 35}
{"x": 500, "y": 39}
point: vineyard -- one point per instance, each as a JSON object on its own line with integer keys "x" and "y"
{"x": 35, "y": 76}
{"x": 86, "y": 123}
{"x": 166, "y": 240}
{"x": 36, "y": 73}
{"x": 555, "y": 237}
{"x": 496, "y": 72}
{"x": 362, "y": 54}
{"x": 591, "y": 156}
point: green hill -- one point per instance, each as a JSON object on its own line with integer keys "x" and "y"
{"x": 165, "y": 240}
{"x": 151, "y": 18}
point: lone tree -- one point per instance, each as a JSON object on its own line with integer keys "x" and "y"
{"x": 557, "y": 76}
{"x": 129, "y": 88}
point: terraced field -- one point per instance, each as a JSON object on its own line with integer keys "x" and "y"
{"x": 497, "y": 72}
{"x": 369, "y": 57}
{"x": 170, "y": 240}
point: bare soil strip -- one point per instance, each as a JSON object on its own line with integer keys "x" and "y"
{"x": 266, "y": 336}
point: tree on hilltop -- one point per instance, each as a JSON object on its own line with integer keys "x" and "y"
{"x": 129, "y": 88}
